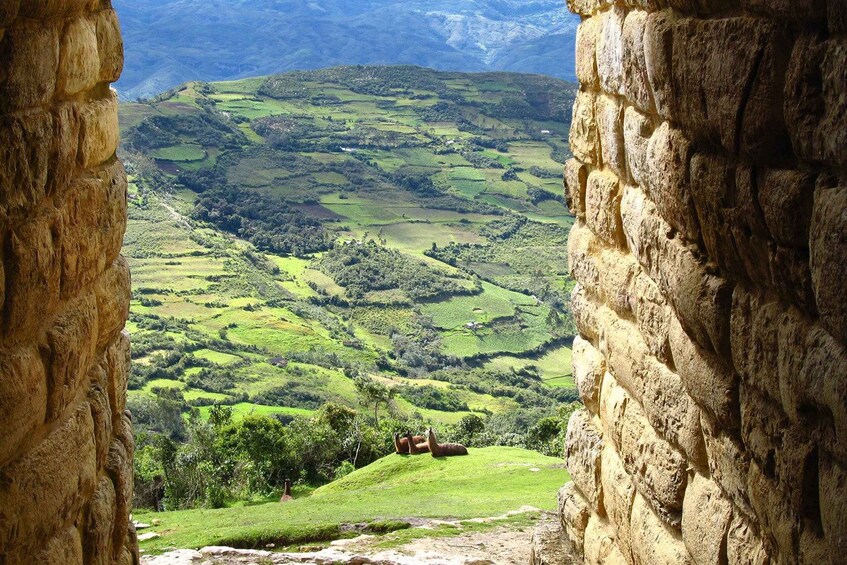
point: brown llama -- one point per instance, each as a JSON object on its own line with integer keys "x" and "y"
{"x": 416, "y": 447}
{"x": 401, "y": 444}
{"x": 286, "y": 494}
{"x": 444, "y": 449}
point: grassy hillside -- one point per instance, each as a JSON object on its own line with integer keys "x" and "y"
{"x": 290, "y": 232}
{"x": 488, "y": 482}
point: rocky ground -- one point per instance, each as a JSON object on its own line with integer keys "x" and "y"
{"x": 502, "y": 545}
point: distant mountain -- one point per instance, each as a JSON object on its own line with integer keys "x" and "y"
{"x": 171, "y": 41}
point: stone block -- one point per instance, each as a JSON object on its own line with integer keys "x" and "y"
{"x": 99, "y": 527}
{"x": 791, "y": 277}
{"x": 79, "y": 65}
{"x": 668, "y": 156}
{"x": 706, "y": 515}
{"x": 119, "y": 467}
{"x": 576, "y": 177}
{"x": 99, "y": 132}
{"x": 95, "y": 221}
{"x": 637, "y": 131}
{"x": 70, "y": 348}
{"x": 8, "y": 12}
{"x": 43, "y": 491}
{"x": 828, "y": 243}
{"x": 584, "y": 312}
{"x": 755, "y": 339}
{"x": 652, "y": 314}
{"x": 110, "y": 47}
{"x": 583, "y": 248}
{"x": 659, "y": 471}
{"x": 602, "y": 206}
{"x": 25, "y": 152}
{"x": 743, "y": 545}
{"x": 23, "y": 398}
{"x": 101, "y": 413}
{"x": 65, "y": 547}
{"x": 806, "y": 10}
{"x": 776, "y": 515}
{"x": 814, "y": 105}
{"x": 113, "y": 295}
{"x": 729, "y": 464}
{"x": 609, "y": 114}
{"x": 764, "y": 426}
{"x": 618, "y": 496}
{"x": 117, "y": 369}
{"x": 836, "y": 17}
{"x": 726, "y": 75}
{"x": 707, "y": 379}
{"x": 574, "y": 513}
{"x": 653, "y": 541}
{"x": 30, "y": 59}
{"x": 833, "y": 497}
{"x": 53, "y": 9}
{"x": 587, "y": 37}
{"x": 586, "y": 7}
{"x": 583, "y": 132}
{"x": 32, "y": 288}
{"x": 613, "y": 401}
{"x": 786, "y": 199}
{"x": 589, "y": 366}
{"x": 658, "y": 57}
{"x": 636, "y": 85}
{"x": 610, "y": 50}
{"x": 601, "y": 546}
{"x": 583, "y": 447}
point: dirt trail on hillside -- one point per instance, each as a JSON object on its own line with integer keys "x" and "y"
{"x": 502, "y": 545}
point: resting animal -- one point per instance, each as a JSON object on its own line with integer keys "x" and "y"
{"x": 416, "y": 446}
{"x": 401, "y": 444}
{"x": 444, "y": 449}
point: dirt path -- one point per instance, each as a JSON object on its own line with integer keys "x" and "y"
{"x": 500, "y": 545}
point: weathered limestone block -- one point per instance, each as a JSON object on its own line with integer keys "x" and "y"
{"x": 582, "y": 136}
{"x": 117, "y": 367}
{"x": 574, "y": 513}
{"x": 112, "y": 290}
{"x": 23, "y": 398}
{"x": 583, "y": 248}
{"x": 729, "y": 464}
{"x": 99, "y": 133}
{"x": 25, "y": 152}
{"x": 71, "y": 344}
{"x": 94, "y": 220}
{"x": 584, "y": 313}
{"x": 44, "y": 489}
{"x": 637, "y": 131}
{"x": 586, "y": 7}
{"x": 110, "y": 47}
{"x": 618, "y": 496}
{"x": 786, "y": 199}
{"x": 79, "y": 64}
{"x": 609, "y": 114}
{"x": 755, "y": 339}
{"x": 668, "y": 157}
{"x": 587, "y": 36}
{"x": 613, "y": 401}
{"x": 119, "y": 467}
{"x": 833, "y": 498}
{"x": 610, "y": 50}
{"x": 809, "y": 10}
{"x": 828, "y": 242}
{"x": 775, "y": 512}
{"x": 602, "y": 203}
{"x": 601, "y": 546}
{"x": 706, "y": 516}
{"x": 653, "y": 315}
{"x": 658, "y": 46}
{"x": 32, "y": 291}
{"x": 26, "y": 84}
{"x": 583, "y": 447}
{"x": 49, "y": 9}
{"x": 709, "y": 382}
{"x": 609, "y": 273}
{"x": 100, "y": 524}
{"x": 100, "y": 414}
{"x": 743, "y": 545}
{"x": 589, "y": 366}
{"x": 65, "y": 547}
{"x": 576, "y": 177}
{"x": 636, "y": 85}
{"x": 658, "y": 470}
{"x": 653, "y": 541}
{"x": 8, "y": 12}
{"x": 815, "y": 107}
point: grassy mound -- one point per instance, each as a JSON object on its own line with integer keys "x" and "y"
{"x": 488, "y": 482}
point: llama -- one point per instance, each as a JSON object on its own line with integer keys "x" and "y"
{"x": 444, "y": 449}
{"x": 416, "y": 446}
{"x": 286, "y": 495}
{"x": 401, "y": 444}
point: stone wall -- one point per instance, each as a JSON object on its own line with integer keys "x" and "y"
{"x": 65, "y": 441}
{"x": 710, "y": 186}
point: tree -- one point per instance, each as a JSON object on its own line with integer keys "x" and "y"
{"x": 373, "y": 394}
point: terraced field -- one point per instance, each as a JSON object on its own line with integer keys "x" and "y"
{"x": 460, "y": 174}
